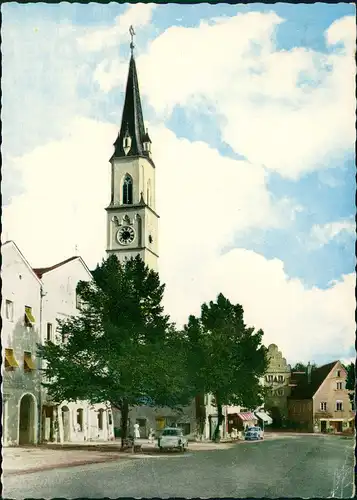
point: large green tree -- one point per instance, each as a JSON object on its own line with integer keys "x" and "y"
{"x": 226, "y": 357}
{"x": 121, "y": 348}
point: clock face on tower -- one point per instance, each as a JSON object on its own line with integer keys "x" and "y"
{"x": 125, "y": 235}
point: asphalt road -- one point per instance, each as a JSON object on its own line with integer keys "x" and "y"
{"x": 304, "y": 466}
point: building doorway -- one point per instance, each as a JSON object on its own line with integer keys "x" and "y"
{"x": 47, "y": 423}
{"x": 142, "y": 427}
{"x": 338, "y": 426}
{"x": 323, "y": 426}
{"x": 276, "y": 416}
{"x": 66, "y": 423}
{"x": 27, "y": 420}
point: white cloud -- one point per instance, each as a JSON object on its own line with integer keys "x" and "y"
{"x": 322, "y": 234}
{"x": 67, "y": 185}
{"x": 204, "y": 199}
{"x": 343, "y": 31}
{"x": 301, "y": 322}
{"x": 67, "y": 189}
{"x": 138, "y": 15}
{"x": 289, "y": 110}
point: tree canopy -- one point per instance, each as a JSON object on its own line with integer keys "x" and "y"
{"x": 121, "y": 347}
{"x": 301, "y": 367}
{"x": 225, "y": 357}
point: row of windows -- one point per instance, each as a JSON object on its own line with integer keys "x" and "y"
{"x": 338, "y": 406}
{"x": 274, "y": 378}
{"x": 29, "y": 319}
{"x": 11, "y": 363}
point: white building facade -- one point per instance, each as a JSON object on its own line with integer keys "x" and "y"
{"x": 33, "y": 300}
{"x": 21, "y": 313}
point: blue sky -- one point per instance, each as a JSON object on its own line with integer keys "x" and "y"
{"x": 254, "y": 100}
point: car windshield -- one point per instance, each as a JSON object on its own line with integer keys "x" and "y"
{"x": 171, "y": 432}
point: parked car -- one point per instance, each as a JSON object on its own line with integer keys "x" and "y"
{"x": 172, "y": 438}
{"x": 259, "y": 430}
{"x": 253, "y": 434}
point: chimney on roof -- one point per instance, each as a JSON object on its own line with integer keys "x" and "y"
{"x": 308, "y": 371}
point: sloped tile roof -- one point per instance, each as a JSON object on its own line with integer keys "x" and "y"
{"x": 40, "y": 271}
{"x": 306, "y": 390}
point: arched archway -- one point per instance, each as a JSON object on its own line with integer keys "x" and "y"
{"x": 276, "y": 415}
{"x": 65, "y": 423}
{"x": 27, "y": 419}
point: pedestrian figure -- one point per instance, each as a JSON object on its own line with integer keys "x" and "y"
{"x": 136, "y": 431}
{"x": 151, "y": 435}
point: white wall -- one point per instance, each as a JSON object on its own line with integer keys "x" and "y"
{"x": 59, "y": 303}
{"x": 22, "y": 287}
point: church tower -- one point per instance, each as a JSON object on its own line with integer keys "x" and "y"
{"x": 132, "y": 221}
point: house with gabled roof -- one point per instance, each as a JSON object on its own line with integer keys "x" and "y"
{"x": 33, "y": 301}
{"x": 319, "y": 400}
{"x": 21, "y": 291}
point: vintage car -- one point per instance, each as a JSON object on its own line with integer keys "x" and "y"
{"x": 172, "y": 438}
{"x": 253, "y": 434}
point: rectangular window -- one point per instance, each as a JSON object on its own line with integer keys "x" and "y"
{"x": 323, "y": 406}
{"x": 100, "y": 419}
{"x": 338, "y": 373}
{"x": 80, "y": 419}
{"x": 110, "y": 419}
{"x": 29, "y": 319}
{"x": 49, "y": 331}
{"x": 339, "y": 385}
{"x": 29, "y": 364}
{"x": 10, "y": 361}
{"x": 9, "y": 305}
{"x": 339, "y": 406}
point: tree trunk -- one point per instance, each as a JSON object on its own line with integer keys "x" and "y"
{"x": 124, "y": 421}
{"x": 200, "y": 414}
{"x": 217, "y": 432}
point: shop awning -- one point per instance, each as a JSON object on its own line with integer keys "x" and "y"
{"x": 10, "y": 361}
{"x": 28, "y": 361}
{"x": 247, "y": 416}
{"x": 264, "y": 416}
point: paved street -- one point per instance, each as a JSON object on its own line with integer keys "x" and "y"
{"x": 304, "y": 466}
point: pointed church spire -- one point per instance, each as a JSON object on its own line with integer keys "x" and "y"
{"x": 132, "y": 130}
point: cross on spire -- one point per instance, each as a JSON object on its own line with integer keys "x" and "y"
{"x": 132, "y": 34}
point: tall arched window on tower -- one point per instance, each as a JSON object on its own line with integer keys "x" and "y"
{"x": 127, "y": 190}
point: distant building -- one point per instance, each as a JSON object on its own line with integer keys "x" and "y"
{"x": 319, "y": 400}
{"x": 276, "y": 381}
{"x": 33, "y": 300}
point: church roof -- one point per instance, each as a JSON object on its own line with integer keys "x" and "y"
{"x": 132, "y": 118}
